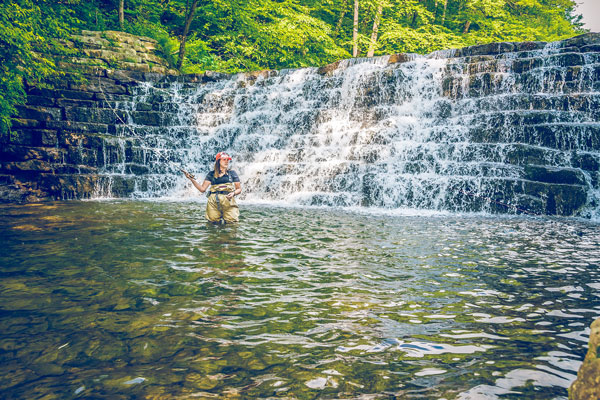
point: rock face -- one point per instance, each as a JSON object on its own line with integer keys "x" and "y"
{"x": 587, "y": 384}
{"x": 501, "y": 128}
{"x": 63, "y": 137}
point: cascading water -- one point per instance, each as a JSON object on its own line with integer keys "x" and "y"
{"x": 517, "y": 131}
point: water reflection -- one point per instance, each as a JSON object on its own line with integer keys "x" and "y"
{"x": 143, "y": 299}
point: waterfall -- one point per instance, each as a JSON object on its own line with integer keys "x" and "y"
{"x": 501, "y": 128}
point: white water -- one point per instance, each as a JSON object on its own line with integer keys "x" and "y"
{"x": 374, "y": 134}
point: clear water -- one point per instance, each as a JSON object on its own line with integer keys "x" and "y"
{"x": 132, "y": 299}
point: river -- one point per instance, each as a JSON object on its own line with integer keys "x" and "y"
{"x": 142, "y": 299}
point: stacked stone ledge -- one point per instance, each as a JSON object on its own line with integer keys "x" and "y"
{"x": 62, "y": 145}
{"x": 61, "y": 139}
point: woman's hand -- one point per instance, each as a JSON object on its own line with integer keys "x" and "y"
{"x": 188, "y": 175}
{"x": 230, "y": 195}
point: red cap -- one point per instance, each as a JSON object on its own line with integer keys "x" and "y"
{"x": 222, "y": 155}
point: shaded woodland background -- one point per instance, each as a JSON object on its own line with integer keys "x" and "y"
{"x": 245, "y": 35}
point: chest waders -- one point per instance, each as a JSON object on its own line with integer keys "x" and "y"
{"x": 219, "y": 207}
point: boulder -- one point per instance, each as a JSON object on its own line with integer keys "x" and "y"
{"x": 587, "y": 384}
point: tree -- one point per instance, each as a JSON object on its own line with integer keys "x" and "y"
{"x": 186, "y": 30}
{"x": 242, "y": 35}
{"x": 121, "y": 13}
{"x": 374, "y": 32}
{"x": 355, "y": 31}
{"x": 29, "y": 33}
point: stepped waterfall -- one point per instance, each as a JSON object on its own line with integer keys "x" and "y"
{"x": 501, "y": 128}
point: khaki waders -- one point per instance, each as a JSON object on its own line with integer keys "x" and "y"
{"x": 219, "y": 207}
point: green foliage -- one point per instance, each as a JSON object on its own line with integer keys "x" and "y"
{"x": 167, "y": 46}
{"x": 29, "y": 35}
{"x": 242, "y": 35}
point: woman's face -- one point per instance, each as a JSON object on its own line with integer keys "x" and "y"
{"x": 224, "y": 162}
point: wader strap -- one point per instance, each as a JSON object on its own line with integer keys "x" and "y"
{"x": 218, "y": 203}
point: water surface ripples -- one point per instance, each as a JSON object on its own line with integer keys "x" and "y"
{"x": 130, "y": 299}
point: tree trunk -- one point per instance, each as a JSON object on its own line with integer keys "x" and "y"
{"x": 375, "y": 30}
{"x": 444, "y": 14}
{"x": 121, "y": 13}
{"x": 186, "y": 29}
{"x": 341, "y": 20}
{"x": 355, "y": 31}
{"x": 467, "y": 26}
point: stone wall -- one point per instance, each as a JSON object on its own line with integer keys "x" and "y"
{"x": 63, "y": 135}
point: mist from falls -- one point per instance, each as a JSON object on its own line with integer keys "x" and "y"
{"x": 435, "y": 132}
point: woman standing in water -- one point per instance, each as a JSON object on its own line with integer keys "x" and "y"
{"x": 224, "y": 186}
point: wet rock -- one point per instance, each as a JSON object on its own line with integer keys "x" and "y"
{"x": 399, "y": 58}
{"x": 328, "y": 69}
{"x": 524, "y": 65}
{"x": 40, "y": 101}
{"x": 491, "y": 48}
{"x": 106, "y": 116}
{"x": 39, "y": 113}
{"x": 147, "y": 118}
{"x": 559, "y": 199}
{"x": 153, "y": 77}
{"x": 42, "y": 92}
{"x": 582, "y": 40}
{"x": 122, "y": 186}
{"x": 587, "y": 384}
{"x": 125, "y": 77}
{"x": 102, "y": 85}
{"x": 81, "y": 127}
{"x": 26, "y": 123}
{"x": 201, "y": 381}
{"x": 64, "y": 103}
{"x": 566, "y": 60}
{"x": 143, "y": 107}
{"x": 586, "y": 161}
{"x": 529, "y": 46}
{"x": 546, "y": 174}
{"x": 591, "y": 48}
{"x": 211, "y": 76}
{"x": 136, "y": 169}
{"x": 74, "y": 94}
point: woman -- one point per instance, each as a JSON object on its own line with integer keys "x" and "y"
{"x": 224, "y": 186}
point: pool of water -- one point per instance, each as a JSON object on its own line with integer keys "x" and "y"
{"x": 134, "y": 299}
